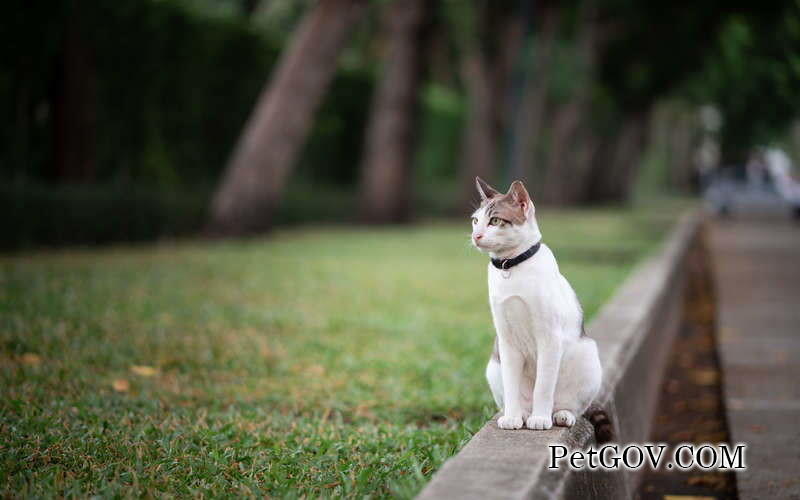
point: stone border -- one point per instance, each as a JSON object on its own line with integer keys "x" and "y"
{"x": 633, "y": 331}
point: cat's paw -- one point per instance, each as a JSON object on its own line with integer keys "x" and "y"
{"x": 539, "y": 423}
{"x": 508, "y": 422}
{"x": 564, "y": 418}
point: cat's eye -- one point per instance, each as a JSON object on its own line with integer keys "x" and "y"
{"x": 495, "y": 221}
{"x": 474, "y": 220}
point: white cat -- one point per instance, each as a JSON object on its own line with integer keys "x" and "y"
{"x": 543, "y": 368}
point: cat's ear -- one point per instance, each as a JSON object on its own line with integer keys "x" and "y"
{"x": 519, "y": 195}
{"x": 485, "y": 190}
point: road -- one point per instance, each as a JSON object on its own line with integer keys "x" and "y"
{"x": 756, "y": 263}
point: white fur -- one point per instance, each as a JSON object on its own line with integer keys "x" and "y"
{"x": 547, "y": 371}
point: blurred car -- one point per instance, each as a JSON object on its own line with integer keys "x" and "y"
{"x": 765, "y": 184}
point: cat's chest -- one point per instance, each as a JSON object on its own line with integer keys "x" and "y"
{"x": 521, "y": 300}
{"x": 517, "y": 320}
{"x": 521, "y": 285}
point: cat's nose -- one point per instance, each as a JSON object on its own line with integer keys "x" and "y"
{"x": 477, "y": 236}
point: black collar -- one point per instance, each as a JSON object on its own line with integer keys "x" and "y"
{"x": 505, "y": 264}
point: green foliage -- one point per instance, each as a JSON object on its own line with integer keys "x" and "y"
{"x": 655, "y": 46}
{"x": 37, "y": 215}
{"x": 174, "y": 87}
{"x": 30, "y": 34}
{"x": 741, "y": 57}
{"x": 439, "y": 141}
{"x": 332, "y": 153}
{"x": 318, "y": 363}
{"x": 753, "y": 77}
{"x": 34, "y": 216}
{"x": 568, "y": 72}
{"x": 461, "y": 21}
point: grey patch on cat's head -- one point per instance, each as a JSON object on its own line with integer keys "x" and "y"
{"x": 512, "y": 206}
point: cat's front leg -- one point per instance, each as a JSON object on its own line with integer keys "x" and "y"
{"x": 549, "y": 351}
{"x": 511, "y": 364}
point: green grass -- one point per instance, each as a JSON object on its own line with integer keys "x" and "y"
{"x": 313, "y": 363}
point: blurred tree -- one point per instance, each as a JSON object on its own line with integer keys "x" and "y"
{"x": 530, "y": 110}
{"x": 128, "y": 85}
{"x": 639, "y": 68}
{"x": 573, "y": 142}
{"x": 265, "y": 153}
{"x": 614, "y": 167}
{"x": 147, "y": 95}
{"x": 74, "y": 102}
{"x": 630, "y": 60}
{"x": 479, "y": 139}
{"x": 489, "y": 46}
{"x": 390, "y": 138}
{"x": 753, "y": 77}
{"x": 794, "y": 140}
{"x": 680, "y": 128}
{"x": 669, "y": 160}
{"x": 249, "y": 7}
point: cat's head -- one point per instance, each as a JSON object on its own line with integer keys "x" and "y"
{"x": 503, "y": 222}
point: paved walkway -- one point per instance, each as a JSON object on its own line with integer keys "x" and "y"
{"x": 757, "y": 271}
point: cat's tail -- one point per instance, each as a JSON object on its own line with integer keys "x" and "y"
{"x": 603, "y": 428}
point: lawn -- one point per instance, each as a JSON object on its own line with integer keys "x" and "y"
{"x": 313, "y": 363}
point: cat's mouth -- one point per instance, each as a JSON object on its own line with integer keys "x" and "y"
{"x": 482, "y": 246}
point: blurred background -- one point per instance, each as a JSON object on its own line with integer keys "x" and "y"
{"x": 349, "y": 362}
{"x": 136, "y": 120}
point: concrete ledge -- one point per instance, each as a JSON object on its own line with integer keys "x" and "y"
{"x": 634, "y": 331}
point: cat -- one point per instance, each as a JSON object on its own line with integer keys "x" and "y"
{"x": 544, "y": 369}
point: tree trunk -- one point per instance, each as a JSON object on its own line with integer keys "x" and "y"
{"x": 586, "y": 145}
{"x": 74, "y": 117}
{"x": 680, "y": 138}
{"x": 568, "y": 163}
{"x": 795, "y": 140}
{"x": 613, "y": 173}
{"x": 509, "y": 46}
{"x": 556, "y": 174}
{"x": 486, "y": 70}
{"x": 249, "y": 7}
{"x": 528, "y": 123}
{"x": 479, "y": 142}
{"x": 390, "y": 137}
{"x": 258, "y": 170}
{"x": 22, "y": 129}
